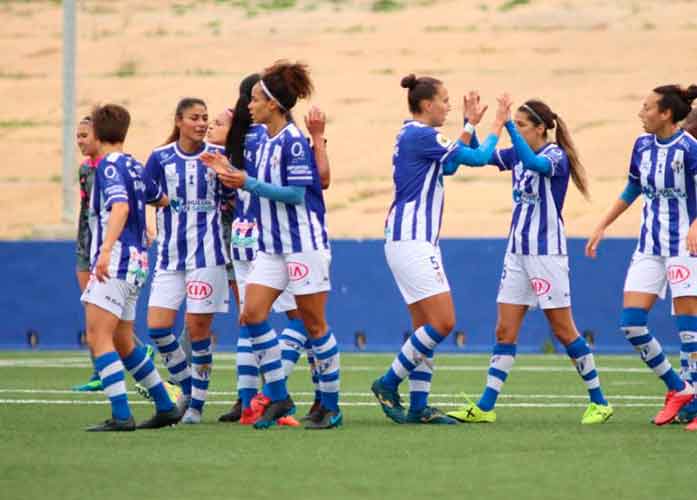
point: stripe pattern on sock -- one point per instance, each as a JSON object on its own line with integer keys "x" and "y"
{"x": 418, "y": 346}
{"x": 420, "y": 384}
{"x": 268, "y": 353}
{"x": 500, "y": 364}
{"x": 247, "y": 368}
{"x": 173, "y": 357}
{"x": 581, "y": 355}
{"x": 326, "y": 352}
{"x": 201, "y": 366}
{"x": 313, "y": 368}
{"x": 142, "y": 369}
{"x": 293, "y": 339}
{"x": 111, "y": 373}
{"x": 687, "y": 325}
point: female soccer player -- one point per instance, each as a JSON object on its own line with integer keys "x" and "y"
{"x": 293, "y": 247}
{"x": 191, "y": 258}
{"x": 411, "y": 247}
{"x": 536, "y": 268}
{"x": 662, "y": 167}
{"x": 119, "y": 268}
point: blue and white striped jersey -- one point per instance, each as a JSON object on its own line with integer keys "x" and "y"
{"x": 417, "y": 162}
{"x": 286, "y": 160}
{"x": 119, "y": 179}
{"x": 665, "y": 171}
{"x": 537, "y": 226}
{"x": 245, "y": 234}
{"x": 189, "y": 235}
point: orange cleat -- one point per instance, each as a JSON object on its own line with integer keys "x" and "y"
{"x": 673, "y": 403}
{"x": 692, "y": 426}
{"x": 249, "y": 416}
{"x": 260, "y": 402}
{"x": 292, "y": 421}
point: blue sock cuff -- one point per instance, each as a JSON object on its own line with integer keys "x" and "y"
{"x": 201, "y": 345}
{"x": 634, "y": 316}
{"x": 105, "y": 360}
{"x": 244, "y": 332}
{"x": 297, "y": 325}
{"x": 506, "y": 349}
{"x": 155, "y": 333}
{"x": 578, "y": 348}
{"x": 134, "y": 359}
{"x": 433, "y": 333}
{"x": 322, "y": 340}
{"x": 257, "y": 329}
{"x": 687, "y": 323}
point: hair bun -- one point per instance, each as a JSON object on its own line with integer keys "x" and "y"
{"x": 409, "y": 81}
{"x": 690, "y": 93}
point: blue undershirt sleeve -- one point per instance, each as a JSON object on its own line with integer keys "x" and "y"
{"x": 527, "y": 156}
{"x": 631, "y": 192}
{"x": 465, "y": 155}
{"x": 293, "y": 195}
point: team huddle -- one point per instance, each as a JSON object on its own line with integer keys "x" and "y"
{"x": 240, "y": 207}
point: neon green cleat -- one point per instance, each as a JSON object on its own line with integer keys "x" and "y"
{"x": 150, "y": 352}
{"x": 472, "y": 414}
{"x": 597, "y": 414}
{"x": 174, "y": 391}
{"x": 93, "y": 385}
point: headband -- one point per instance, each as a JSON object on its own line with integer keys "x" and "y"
{"x": 533, "y": 113}
{"x": 270, "y": 95}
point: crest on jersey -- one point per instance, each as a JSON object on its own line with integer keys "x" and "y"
{"x": 442, "y": 140}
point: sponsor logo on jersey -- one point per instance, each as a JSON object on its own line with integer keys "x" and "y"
{"x": 198, "y": 290}
{"x": 677, "y": 274}
{"x": 540, "y": 286}
{"x": 297, "y": 271}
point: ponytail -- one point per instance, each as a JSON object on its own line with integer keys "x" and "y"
{"x": 576, "y": 168}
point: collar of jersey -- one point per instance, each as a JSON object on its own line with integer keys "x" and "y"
{"x": 288, "y": 124}
{"x": 416, "y": 123}
{"x": 664, "y": 143}
{"x": 189, "y": 157}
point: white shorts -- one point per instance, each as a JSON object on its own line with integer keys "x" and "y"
{"x": 535, "y": 280}
{"x": 206, "y": 290}
{"x": 285, "y": 302}
{"x": 116, "y": 296}
{"x": 302, "y": 273}
{"x": 417, "y": 268}
{"x": 652, "y": 274}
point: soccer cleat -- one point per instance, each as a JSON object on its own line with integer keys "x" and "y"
{"x": 93, "y": 385}
{"x": 312, "y": 411}
{"x": 191, "y": 417}
{"x": 673, "y": 404}
{"x": 173, "y": 391}
{"x": 429, "y": 415}
{"x": 260, "y": 402}
{"x": 150, "y": 352}
{"x": 325, "y": 419}
{"x": 692, "y": 426}
{"x": 161, "y": 419}
{"x": 688, "y": 412}
{"x": 114, "y": 425}
{"x": 183, "y": 403}
{"x": 274, "y": 411}
{"x": 288, "y": 421}
{"x": 389, "y": 400}
{"x": 249, "y": 417}
{"x": 597, "y": 414}
{"x": 473, "y": 414}
{"x": 234, "y": 414}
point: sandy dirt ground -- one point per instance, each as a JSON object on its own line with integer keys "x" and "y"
{"x": 592, "y": 61}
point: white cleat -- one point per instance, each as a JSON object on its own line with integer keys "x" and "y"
{"x": 191, "y": 417}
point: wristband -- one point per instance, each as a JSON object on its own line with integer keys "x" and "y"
{"x": 469, "y": 128}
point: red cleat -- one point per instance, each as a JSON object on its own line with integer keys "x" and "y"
{"x": 292, "y": 422}
{"x": 249, "y": 416}
{"x": 260, "y": 402}
{"x": 692, "y": 426}
{"x": 673, "y": 403}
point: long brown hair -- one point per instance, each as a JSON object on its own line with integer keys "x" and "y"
{"x": 542, "y": 114}
{"x": 183, "y": 105}
{"x": 287, "y": 82}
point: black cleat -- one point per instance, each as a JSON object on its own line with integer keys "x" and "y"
{"x": 312, "y": 414}
{"x": 161, "y": 419}
{"x": 114, "y": 425}
{"x": 234, "y": 414}
{"x": 325, "y": 419}
{"x": 274, "y": 411}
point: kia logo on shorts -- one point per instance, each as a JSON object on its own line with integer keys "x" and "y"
{"x": 297, "y": 271}
{"x": 677, "y": 274}
{"x": 540, "y": 286}
{"x": 198, "y": 290}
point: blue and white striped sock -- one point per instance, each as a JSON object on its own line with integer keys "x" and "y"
{"x": 326, "y": 352}
{"x": 418, "y": 346}
{"x": 111, "y": 373}
{"x": 293, "y": 339}
{"x": 201, "y": 365}
{"x": 173, "y": 357}
{"x": 142, "y": 369}
{"x": 633, "y": 324}
{"x": 313, "y": 369}
{"x": 247, "y": 368}
{"x": 420, "y": 385}
{"x": 500, "y": 365}
{"x": 581, "y": 355}
{"x": 685, "y": 367}
{"x": 268, "y": 352}
{"x": 687, "y": 326}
